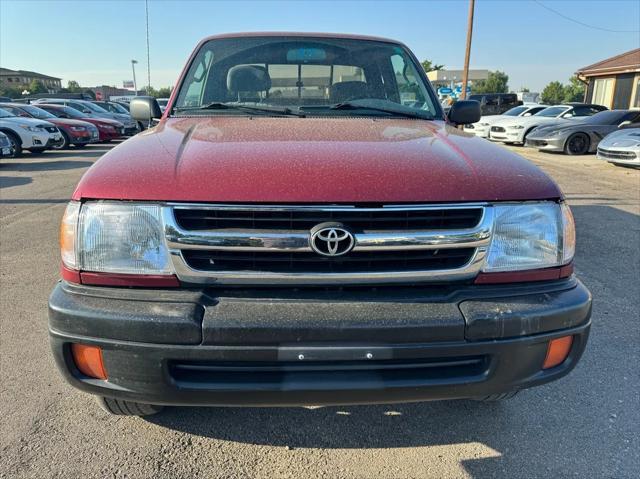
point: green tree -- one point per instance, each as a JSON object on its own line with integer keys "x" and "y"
{"x": 496, "y": 82}
{"x": 11, "y": 92}
{"x": 164, "y": 92}
{"x": 574, "y": 91}
{"x": 73, "y": 87}
{"x": 36, "y": 86}
{"x": 553, "y": 93}
{"x": 429, "y": 66}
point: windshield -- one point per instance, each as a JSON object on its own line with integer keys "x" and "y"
{"x": 552, "y": 111}
{"x": 309, "y": 74}
{"x": 607, "y": 118}
{"x": 66, "y": 110}
{"x": 119, "y": 108}
{"x": 5, "y": 113}
{"x": 37, "y": 112}
{"x": 95, "y": 108}
{"x": 515, "y": 111}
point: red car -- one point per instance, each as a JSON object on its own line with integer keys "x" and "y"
{"x": 107, "y": 129}
{"x": 74, "y": 132}
{"x": 304, "y": 226}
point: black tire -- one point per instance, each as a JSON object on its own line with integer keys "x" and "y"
{"x": 577, "y": 144}
{"x": 498, "y": 397}
{"x": 524, "y": 138}
{"x": 65, "y": 142}
{"x": 80, "y": 145}
{"x": 119, "y": 407}
{"x": 16, "y": 142}
{"x": 37, "y": 151}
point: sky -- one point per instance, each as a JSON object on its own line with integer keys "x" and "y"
{"x": 93, "y": 41}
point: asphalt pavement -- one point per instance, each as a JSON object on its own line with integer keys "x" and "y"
{"x": 584, "y": 425}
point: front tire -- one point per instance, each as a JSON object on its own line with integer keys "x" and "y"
{"x": 16, "y": 143}
{"x": 577, "y": 144}
{"x": 65, "y": 143}
{"x": 119, "y": 407}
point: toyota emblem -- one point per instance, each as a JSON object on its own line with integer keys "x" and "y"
{"x": 331, "y": 239}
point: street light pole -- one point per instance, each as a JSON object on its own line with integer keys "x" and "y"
{"x": 135, "y": 84}
{"x": 465, "y": 73}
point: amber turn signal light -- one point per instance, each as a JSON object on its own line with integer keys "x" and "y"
{"x": 88, "y": 360}
{"x": 557, "y": 351}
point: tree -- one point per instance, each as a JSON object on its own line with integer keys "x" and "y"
{"x": 11, "y": 92}
{"x": 164, "y": 92}
{"x": 429, "y": 66}
{"x": 73, "y": 86}
{"x": 574, "y": 91}
{"x": 36, "y": 86}
{"x": 553, "y": 93}
{"x": 496, "y": 82}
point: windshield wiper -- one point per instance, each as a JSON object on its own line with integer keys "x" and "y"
{"x": 384, "y": 106}
{"x": 216, "y": 105}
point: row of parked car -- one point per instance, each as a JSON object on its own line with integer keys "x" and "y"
{"x": 53, "y": 123}
{"x": 573, "y": 128}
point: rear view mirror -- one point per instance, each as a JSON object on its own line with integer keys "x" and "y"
{"x": 464, "y": 112}
{"x": 145, "y": 108}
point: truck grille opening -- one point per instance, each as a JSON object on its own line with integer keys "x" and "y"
{"x": 270, "y": 375}
{"x": 354, "y": 262}
{"x": 357, "y": 219}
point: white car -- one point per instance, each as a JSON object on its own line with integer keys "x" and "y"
{"x": 28, "y": 133}
{"x": 515, "y": 130}
{"x": 621, "y": 147}
{"x": 481, "y": 128}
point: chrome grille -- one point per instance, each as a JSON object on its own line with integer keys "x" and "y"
{"x": 269, "y": 245}
{"x": 498, "y": 129}
{"x": 616, "y": 155}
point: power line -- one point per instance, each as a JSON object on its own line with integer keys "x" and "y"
{"x": 595, "y": 27}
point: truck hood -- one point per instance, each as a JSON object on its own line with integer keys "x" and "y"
{"x": 311, "y": 160}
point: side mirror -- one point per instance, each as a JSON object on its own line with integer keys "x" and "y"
{"x": 145, "y": 109}
{"x": 464, "y": 112}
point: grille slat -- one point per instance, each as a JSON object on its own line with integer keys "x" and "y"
{"x": 200, "y": 220}
{"x": 616, "y": 155}
{"x": 361, "y": 261}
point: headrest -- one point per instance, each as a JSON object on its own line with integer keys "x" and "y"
{"x": 248, "y": 78}
{"x": 349, "y": 90}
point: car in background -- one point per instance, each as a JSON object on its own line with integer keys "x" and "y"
{"x": 622, "y": 147}
{"x": 515, "y": 130}
{"x": 108, "y": 130}
{"x": 112, "y": 106}
{"x": 495, "y": 103}
{"x": 582, "y": 136}
{"x": 162, "y": 102}
{"x": 6, "y": 148}
{"x": 74, "y": 132}
{"x": 28, "y": 133}
{"x": 481, "y": 128}
{"x": 92, "y": 110}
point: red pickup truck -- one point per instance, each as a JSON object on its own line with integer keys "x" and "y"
{"x": 303, "y": 225}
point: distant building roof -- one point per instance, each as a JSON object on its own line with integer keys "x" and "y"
{"x": 26, "y": 73}
{"x": 623, "y": 63}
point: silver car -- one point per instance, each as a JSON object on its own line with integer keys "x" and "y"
{"x": 581, "y": 136}
{"x": 621, "y": 147}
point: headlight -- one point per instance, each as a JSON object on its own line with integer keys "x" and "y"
{"x": 516, "y": 127}
{"x": 77, "y": 128}
{"x": 32, "y": 128}
{"x": 113, "y": 237}
{"x": 531, "y": 236}
{"x": 107, "y": 127}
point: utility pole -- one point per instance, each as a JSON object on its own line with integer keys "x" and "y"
{"x": 146, "y": 8}
{"x": 135, "y": 84}
{"x": 465, "y": 73}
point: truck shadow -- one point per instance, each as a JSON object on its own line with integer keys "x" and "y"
{"x": 8, "y": 181}
{"x": 47, "y": 165}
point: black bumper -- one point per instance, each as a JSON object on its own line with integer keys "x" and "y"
{"x": 288, "y": 347}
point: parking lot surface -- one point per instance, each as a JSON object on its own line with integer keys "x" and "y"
{"x": 585, "y": 425}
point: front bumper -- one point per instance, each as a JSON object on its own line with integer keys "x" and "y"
{"x": 545, "y": 143}
{"x": 508, "y": 136}
{"x": 288, "y": 347}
